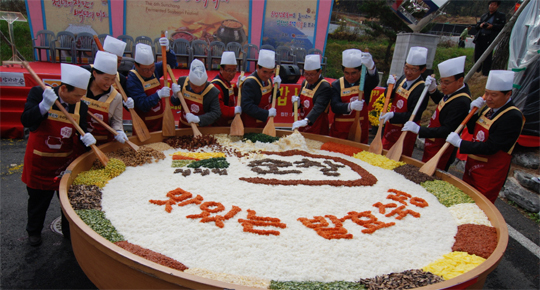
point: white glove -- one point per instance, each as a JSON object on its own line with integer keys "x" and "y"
{"x": 240, "y": 80}
{"x": 391, "y": 80}
{"x": 121, "y": 137}
{"x": 298, "y": 124}
{"x": 277, "y": 80}
{"x": 454, "y": 139}
{"x": 175, "y": 88}
{"x": 130, "y": 104}
{"x": 431, "y": 83}
{"x": 295, "y": 99}
{"x": 367, "y": 60}
{"x": 48, "y": 100}
{"x": 272, "y": 112}
{"x": 164, "y": 41}
{"x": 411, "y": 126}
{"x": 237, "y": 110}
{"x": 88, "y": 139}
{"x": 164, "y": 92}
{"x": 356, "y": 105}
{"x": 479, "y": 103}
{"x": 386, "y": 117}
{"x": 192, "y": 118}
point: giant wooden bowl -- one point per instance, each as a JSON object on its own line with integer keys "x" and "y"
{"x": 109, "y": 266}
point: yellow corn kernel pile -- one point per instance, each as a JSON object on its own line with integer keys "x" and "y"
{"x": 378, "y": 160}
{"x": 200, "y": 155}
{"x": 454, "y": 264}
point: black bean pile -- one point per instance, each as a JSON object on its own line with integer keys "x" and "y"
{"x": 273, "y": 165}
{"x": 84, "y": 197}
{"x": 131, "y": 157}
{"x": 203, "y": 172}
{"x": 191, "y": 143}
{"x": 405, "y": 280}
{"x": 413, "y": 174}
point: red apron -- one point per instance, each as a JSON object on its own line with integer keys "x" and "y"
{"x": 153, "y": 118}
{"x": 320, "y": 126}
{"x": 393, "y": 131}
{"x": 194, "y": 102}
{"x": 228, "y": 96}
{"x": 487, "y": 173}
{"x": 100, "y": 110}
{"x": 342, "y": 123}
{"x": 50, "y": 149}
{"x": 432, "y": 145}
{"x": 265, "y": 103}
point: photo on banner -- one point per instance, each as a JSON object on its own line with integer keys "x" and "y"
{"x": 290, "y": 25}
{"x": 218, "y": 20}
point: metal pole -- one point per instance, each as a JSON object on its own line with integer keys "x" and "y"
{"x": 490, "y": 48}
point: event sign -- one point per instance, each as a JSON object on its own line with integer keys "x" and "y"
{"x": 77, "y": 16}
{"x": 9, "y": 79}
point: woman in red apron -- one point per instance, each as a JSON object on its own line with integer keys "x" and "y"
{"x": 227, "y": 95}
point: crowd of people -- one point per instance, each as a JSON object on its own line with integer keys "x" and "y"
{"x": 54, "y": 143}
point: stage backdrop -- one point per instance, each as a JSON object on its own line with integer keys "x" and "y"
{"x": 277, "y": 22}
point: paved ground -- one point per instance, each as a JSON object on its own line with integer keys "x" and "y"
{"x": 53, "y": 265}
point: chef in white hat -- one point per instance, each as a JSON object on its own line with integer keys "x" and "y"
{"x": 202, "y": 97}
{"x": 117, "y": 47}
{"x": 257, "y": 91}
{"x": 495, "y": 131}
{"x": 227, "y": 92}
{"x": 407, "y": 91}
{"x": 53, "y": 143}
{"x": 103, "y": 99}
{"x": 144, "y": 87}
{"x": 453, "y": 101}
{"x": 346, "y": 93}
{"x": 314, "y": 99}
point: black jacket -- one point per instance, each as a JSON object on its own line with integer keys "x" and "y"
{"x": 321, "y": 99}
{"x": 499, "y": 19}
{"x": 212, "y": 112}
{"x": 402, "y": 118}
{"x": 251, "y": 98}
{"x": 338, "y": 107}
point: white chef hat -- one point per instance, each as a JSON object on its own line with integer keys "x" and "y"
{"x": 143, "y": 54}
{"x": 500, "y": 80}
{"x": 197, "y": 73}
{"x": 228, "y": 58}
{"x": 351, "y": 58}
{"x": 106, "y": 62}
{"x": 417, "y": 55}
{"x": 267, "y": 58}
{"x": 75, "y": 76}
{"x": 312, "y": 62}
{"x": 452, "y": 67}
{"x": 114, "y": 46}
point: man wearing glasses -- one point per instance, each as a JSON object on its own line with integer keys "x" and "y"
{"x": 227, "y": 93}
{"x": 144, "y": 87}
{"x": 407, "y": 91}
{"x": 314, "y": 99}
{"x": 454, "y": 100}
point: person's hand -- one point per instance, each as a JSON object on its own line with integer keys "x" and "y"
{"x": 432, "y": 86}
{"x": 240, "y": 81}
{"x": 277, "y": 80}
{"x": 295, "y": 99}
{"x": 164, "y": 41}
{"x": 411, "y": 126}
{"x": 88, "y": 139}
{"x": 192, "y": 118}
{"x": 164, "y": 92}
{"x": 298, "y": 124}
{"x": 391, "y": 80}
{"x": 454, "y": 139}
{"x": 237, "y": 110}
{"x": 386, "y": 117}
{"x": 479, "y": 103}
{"x": 489, "y": 26}
{"x": 272, "y": 112}
{"x": 175, "y": 88}
{"x": 130, "y": 104}
{"x": 367, "y": 60}
{"x": 356, "y": 105}
{"x": 48, "y": 100}
{"x": 121, "y": 137}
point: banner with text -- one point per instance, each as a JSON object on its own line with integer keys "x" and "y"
{"x": 77, "y": 16}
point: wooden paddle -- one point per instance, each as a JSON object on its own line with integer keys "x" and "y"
{"x": 168, "y": 127}
{"x": 295, "y": 104}
{"x": 185, "y": 107}
{"x": 237, "y": 127}
{"x": 431, "y": 166}
{"x": 99, "y": 154}
{"x": 106, "y": 126}
{"x": 137, "y": 123}
{"x": 355, "y": 132}
{"x": 270, "y": 129}
{"x": 395, "y": 152}
{"x": 376, "y": 145}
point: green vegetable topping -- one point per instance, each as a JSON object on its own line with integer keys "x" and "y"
{"x": 218, "y": 162}
{"x": 96, "y": 220}
{"x": 447, "y": 194}
{"x": 254, "y": 137}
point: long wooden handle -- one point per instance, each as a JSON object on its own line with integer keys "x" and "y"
{"x": 164, "y": 61}
{"x": 275, "y": 89}
{"x": 196, "y": 131}
{"x": 240, "y": 82}
{"x": 387, "y": 99}
{"x": 98, "y": 43}
{"x": 420, "y": 101}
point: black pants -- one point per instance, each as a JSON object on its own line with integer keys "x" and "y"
{"x": 481, "y": 45}
{"x": 38, "y": 204}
